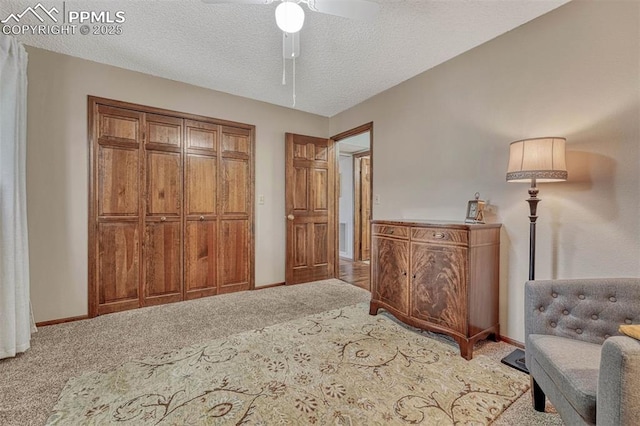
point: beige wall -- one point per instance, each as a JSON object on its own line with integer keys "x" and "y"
{"x": 57, "y": 167}
{"x": 443, "y": 135}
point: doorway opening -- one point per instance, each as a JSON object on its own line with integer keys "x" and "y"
{"x": 354, "y": 204}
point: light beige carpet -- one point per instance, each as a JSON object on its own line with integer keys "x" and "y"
{"x": 31, "y": 382}
{"x": 341, "y": 366}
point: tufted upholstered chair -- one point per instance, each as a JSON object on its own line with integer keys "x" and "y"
{"x": 575, "y": 354}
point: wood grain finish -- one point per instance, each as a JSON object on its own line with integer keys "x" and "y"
{"x": 391, "y": 272}
{"x": 235, "y": 174}
{"x": 453, "y": 277}
{"x": 235, "y": 258}
{"x": 164, "y": 184}
{"x": 170, "y": 206}
{"x": 200, "y": 259}
{"x": 438, "y": 280}
{"x": 201, "y": 185}
{"x": 163, "y": 262}
{"x": 365, "y": 208}
{"x": 118, "y": 262}
{"x": 118, "y": 189}
{"x": 310, "y": 207}
{"x": 391, "y": 231}
{"x": 201, "y": 136}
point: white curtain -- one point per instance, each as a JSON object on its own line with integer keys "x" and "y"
{"x": 15, "y": 313}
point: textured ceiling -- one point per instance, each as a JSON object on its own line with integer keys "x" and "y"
{"x": 238, "y": 49}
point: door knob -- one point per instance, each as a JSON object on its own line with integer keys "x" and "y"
{"x": 291, "y": 217}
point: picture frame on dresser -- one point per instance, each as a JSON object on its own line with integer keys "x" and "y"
{"x": 475, "y": 210}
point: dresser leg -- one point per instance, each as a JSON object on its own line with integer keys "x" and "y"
{"x": 466, "y": 349}
{"x": 373, "y": 309}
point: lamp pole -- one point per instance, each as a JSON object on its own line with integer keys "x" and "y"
{"x": 533, "y": 201}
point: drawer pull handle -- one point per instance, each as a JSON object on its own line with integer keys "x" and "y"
{"x": 201, "y": 217}
{"x": 163, "y": 218}
{"x": 438, "y": 235}
{"x": 404, "y": 273}
{"x": 391, "y": 232}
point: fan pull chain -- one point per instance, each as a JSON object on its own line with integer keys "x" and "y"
{"x": 293, "y": 50}
{"x": 284, "y": 61}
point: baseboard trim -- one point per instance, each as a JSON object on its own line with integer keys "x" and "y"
{"x": 262, "y": 287}
{"x": 512, "y": 342}
{"x": 61, "y": 321}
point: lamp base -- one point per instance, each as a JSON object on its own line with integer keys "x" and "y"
{"x": 516, "y": 360}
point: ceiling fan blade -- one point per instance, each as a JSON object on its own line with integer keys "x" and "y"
{"x": 238, "y": 1}
{"x": 353, "y": 9}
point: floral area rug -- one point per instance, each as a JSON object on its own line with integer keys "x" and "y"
{"x": 339, "y": 367}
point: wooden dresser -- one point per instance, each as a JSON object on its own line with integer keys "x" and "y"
{"x": 438, "y": 276}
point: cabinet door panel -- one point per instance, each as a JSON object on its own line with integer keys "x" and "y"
{"x": 390, "y": 272}
{"x": 439, "y": 285}
{"x": 234, "y": 256}
{"x": 162, "y": 259}
{"x": 201, "y": 185}
{"x": 118, "y": 262}
{"x": 163, "y": 184}
{"x": 200, "y": 257}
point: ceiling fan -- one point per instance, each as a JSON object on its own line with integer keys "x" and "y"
{"x": 290, "y": 15}
{"x": 290, "y": 19}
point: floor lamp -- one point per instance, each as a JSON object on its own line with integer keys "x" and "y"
{"x": 534, "y": 160}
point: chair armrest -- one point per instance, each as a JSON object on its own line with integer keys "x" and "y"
{"x": 618, "y": 399}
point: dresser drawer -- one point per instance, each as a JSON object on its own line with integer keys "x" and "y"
{"x": 440, "y": 235}
{"x": 391, "y": 231}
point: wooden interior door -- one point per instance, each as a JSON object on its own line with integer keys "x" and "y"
{"x": 310, "y": 208}
{"x": 114, "y": 266}
{"x": 171, "y": 206}
{"x": 236, "y": 191}
{"x": 201, "y": 213}
{"x": 365, "y": 207}
{"x": 362, "y": 206}
{"x": 162, "y": 251}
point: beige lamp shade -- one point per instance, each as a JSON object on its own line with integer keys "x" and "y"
{"x": 542, "y": 159}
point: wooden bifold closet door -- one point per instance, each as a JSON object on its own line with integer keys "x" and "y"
{"x": 170, "y": 206}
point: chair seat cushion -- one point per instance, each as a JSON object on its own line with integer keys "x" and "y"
{"x": 573, "y": 366}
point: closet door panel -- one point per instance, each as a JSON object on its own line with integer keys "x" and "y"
{"x": 236, "y": 141}
{"x": 201, "y": 185}
{"x": 118, "y": 175}
{"x": 201, "y": 136}
{"x": 117, "y": 126}
{"x": 118, "y": 272}
{"x": 164, "y": 185}
{"x": 164, "y": 131}
{"x": 234, "y": 257}
{"x": 235, "y": 186}
{"x": 163, "y": 261}
{"x": 200, "y": 259}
